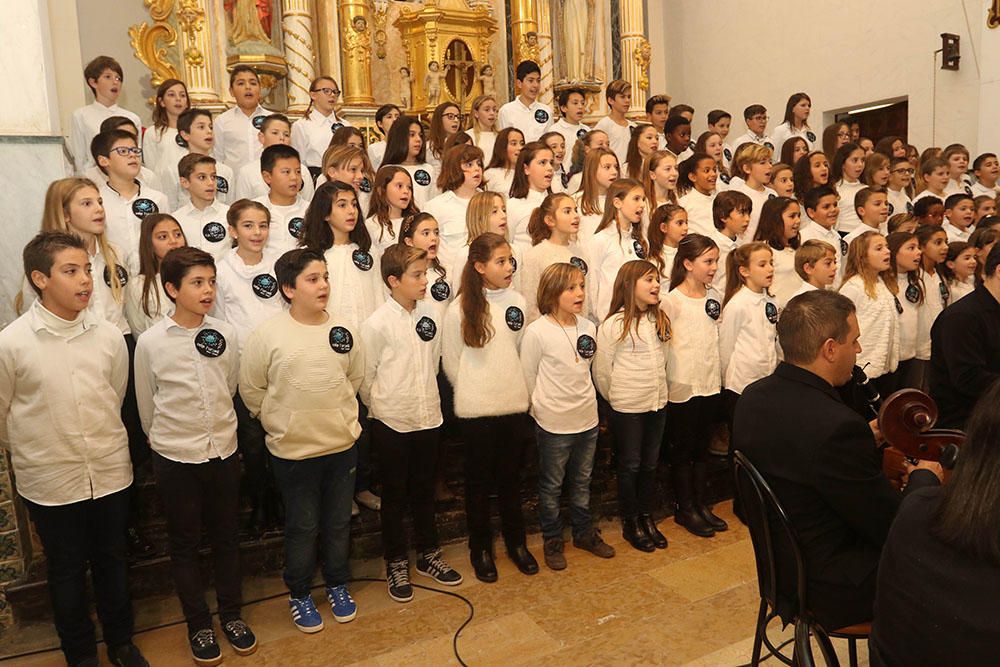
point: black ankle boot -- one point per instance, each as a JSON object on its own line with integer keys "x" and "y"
{"x": 636, "y": 536}
{"x": 523, "y": 559}
{"x": 649, "y": 527}
{"x": 685, "y": 514}
{"x": 483, "y": 565}
{"x": 700, "y": 481}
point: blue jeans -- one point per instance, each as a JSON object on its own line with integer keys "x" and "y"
{"x": 637, "y": 450}
{"x": 317, "y": 494}
{"x": 562, "y": 456}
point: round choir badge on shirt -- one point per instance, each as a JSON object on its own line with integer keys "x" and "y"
{"x": 362, "y": 259}
{"x": 968, "y": 190}
{"x": 214, "y": 232}
{"x": 514, "y": 318}
{"x": 142, "y": 207}
{"x": 120, "y": 274}
{"x": 210, "y": 343}
{"x": 810, "y": 136}
{"x": 295, "y": 226}
{"x": 771, "y": 195}
{"x": 724, "y": 178}
{"x": 586, "y": 346}
{"x": 258, "y": 122}
{"x": 713, "y": 308}
{"x": 843, "y": 247}
{"x": 728, "y": 154}
{"x": 771, "y": 311}
{"x": 341, "y": 340}
{"x": 768, "y": 145}
{"x": 909, "y": 208}
{"x": 366, "y": 185}
{"x": 426, "y": 329}
{"x": 891, "y": 209}
{"x": 336, "y": 126}
{"x": 691, "y": 145}
{"x": 541, "y": 116}
{"x": 422, "y": 177}
{"x": 513, "y": 264}
{"x": 440, "y": 290}
{"x": 945, "y": 294}
{"x": 899, "y": 306}
{"x": 639, "y": 252}
{"x": 179, "y": 140}
{"x": 221, "y": 185}
{"x": 579, "y": 263}
{"x": 580, "y": 134}
{"x": 264, "y": 285}
{"x": 912, "y": 293}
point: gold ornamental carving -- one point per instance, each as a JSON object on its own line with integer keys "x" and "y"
{"x": 642, "y": 56}
{"x": 191, "y": 18}
{"x": 993, "y": 17}
{"x": 150, "y": 43}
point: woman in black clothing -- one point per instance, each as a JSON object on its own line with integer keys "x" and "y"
{"x": 939, "y": 577}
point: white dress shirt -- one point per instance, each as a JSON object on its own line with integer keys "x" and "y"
{"x": 748, "y": 339}
{"x": 123, "y": 218}
{"x": 311, "y": 136}
{"x": 449, "y": 210}
{"x": 250, "y": 182}
{"x": 619, "y": 137}
{"x": 539, "y": 257}
{"x": 287, "y": 223}
{"x": 102, "y": 299}
{"x": 61, "y": 389}
{"x": 376, "y": 151}
{"x": 177, "y": 196}
{"x": 570, "y": 134}
{"x": 726, "y": 246}
{"x": 237, "y": 139}
{"x": 848, "y": 218}
{"x": 693, "y": 364}
{"x": 786, "y": 281}
{"x": 185, "y": 380}
{"x": 699, "y": 210}
{"x": 747, "y": 137}
{"x": 206, "y": 229}
{"x": 246, "y": 295}
{"x": 533, "y": 120}
{"x": 402, "y": 352}
{"x": 159, "y": 305}
{"x": 608, "y": 249}
{"x": 899, "y": 202}
{"x": 878, "y": 320}
{"x": 380, "y": 236}
{"x": 786, "y": 131}
{"x": 980, "y": 189}
{"x": 556, "y": 363}
{"x": 355, "y": 291}
{"x": 86, "y": 124}
{"x": 155, "y": 141}
{"x": 499, "y": 180}
{"x": 631, "y": 372}
{"x": 955, "y": 233}
{"x": 519, "y": 210}
{"x": 817, "y": 231}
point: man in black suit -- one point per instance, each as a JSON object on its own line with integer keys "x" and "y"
{"x": 965, "y": 348}
{"x": 820, "y": 459}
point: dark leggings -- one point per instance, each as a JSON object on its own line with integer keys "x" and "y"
{"x": 689, "y": 427}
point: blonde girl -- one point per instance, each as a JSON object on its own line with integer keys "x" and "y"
{"x": 618, "y": 240}
{"x": 553, "y": 229}
{"x": 644, "y": 142}
{"x": 578, "y": 154}
{"x": 348, "y": 164}
{"x": 660, "y": 179}
{"x": 480, "y": 343}
{"x": 482, "y": 123}
{"x": 600, "y": 170}
{"x": 145, "y": 301}
{"x": 630, "y": 373}
{"x": 668, "y": 226}
{"x": 869, "y": 283}
{"x": 693, "y": 379}
{"x": 751, "y": 171}
{"x": 556, "y": 355}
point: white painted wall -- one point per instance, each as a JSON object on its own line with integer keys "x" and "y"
{"x": 25, "y": 60}
{"x": 845, "y": 54}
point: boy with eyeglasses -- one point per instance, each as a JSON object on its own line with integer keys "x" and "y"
{"x": 755, "y": 116}
{"x": 104, "y": 78}
{"x": 900, "y": 174}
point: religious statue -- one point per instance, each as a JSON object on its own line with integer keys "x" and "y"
{"x": 580, "y": 43}
{"x": 359, "y": 41}
{"x": 405, "y": 81}
{"x": 528, "y": 49}
{"x": 246, "y": 20}
{"x": 488, "y": 81}
{"x": 432, "y": 82}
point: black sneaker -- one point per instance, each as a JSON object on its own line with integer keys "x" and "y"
{"x": 240, "y": 636}
{"x": 126, "y": 655}
{"x": 204, "y": 648}
{"x": 430, "y": 564}
{"x": 397, "y": 574}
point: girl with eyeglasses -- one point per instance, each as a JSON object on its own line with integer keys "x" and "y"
{"x": 311, "y": 133}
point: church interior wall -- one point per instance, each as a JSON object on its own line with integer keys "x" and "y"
{"x": 724, "y": 55}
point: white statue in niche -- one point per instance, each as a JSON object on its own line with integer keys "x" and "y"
{"x": 581, "y": 45}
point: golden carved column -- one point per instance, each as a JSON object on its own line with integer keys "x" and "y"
{"x": 523, "y": 22}
{"x": 328, "y": 35}
{"x": 545, "y": 55}
{"x": 296, "y": 29}
{"x": 201, "y": 67}
{"x": 356, "y": 52}
{"x": 636, "y": 53}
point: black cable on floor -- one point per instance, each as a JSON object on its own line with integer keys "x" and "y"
{"x": 170, "y": 624}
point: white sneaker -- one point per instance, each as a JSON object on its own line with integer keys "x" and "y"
{"x": 369, "y": 500}
{"x": 355, "y": 510}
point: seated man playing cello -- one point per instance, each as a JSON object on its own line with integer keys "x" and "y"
{"x": 820, "y": 458}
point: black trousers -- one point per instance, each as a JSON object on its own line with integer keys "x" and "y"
{"x": 193, "y": 493}
{"x": 689, "y": 427}
{"x": 90, "y": 532}
{"x": 494, "y": 449}
{"x": 259, "y": 479}
{"x": 138, "y": 444}
{"x": 408, "y": 462}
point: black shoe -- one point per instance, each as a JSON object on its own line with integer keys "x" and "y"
{"x": 483, "y": 565}
{"x": 92, "y": 661}
{"x": 431, "y": 564}
{"x": 240, "y": 636}
{"x": 718, "y": 525}
{"x": 397, "y": 577}
{"x": 205, "y": 648}
{"x": 690, "y": 519}
{"x": 139, "y": 548}
{"x": 126, "y": 655}
{"x": 525, "y": 562}
{"x": 649, "y": 527}
{"x": 635, "y": 536}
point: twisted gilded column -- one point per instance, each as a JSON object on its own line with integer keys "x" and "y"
{"x": 356, "y": 51}
{"x": 523, "y": 22}
{"x": 200, "y": 59}
{"x": 296, "y": 29}
{"x": 636, "y": 52}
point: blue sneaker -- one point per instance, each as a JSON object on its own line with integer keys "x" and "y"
{"x": 305, "y": 616}
{"x": 344, "y": 608}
